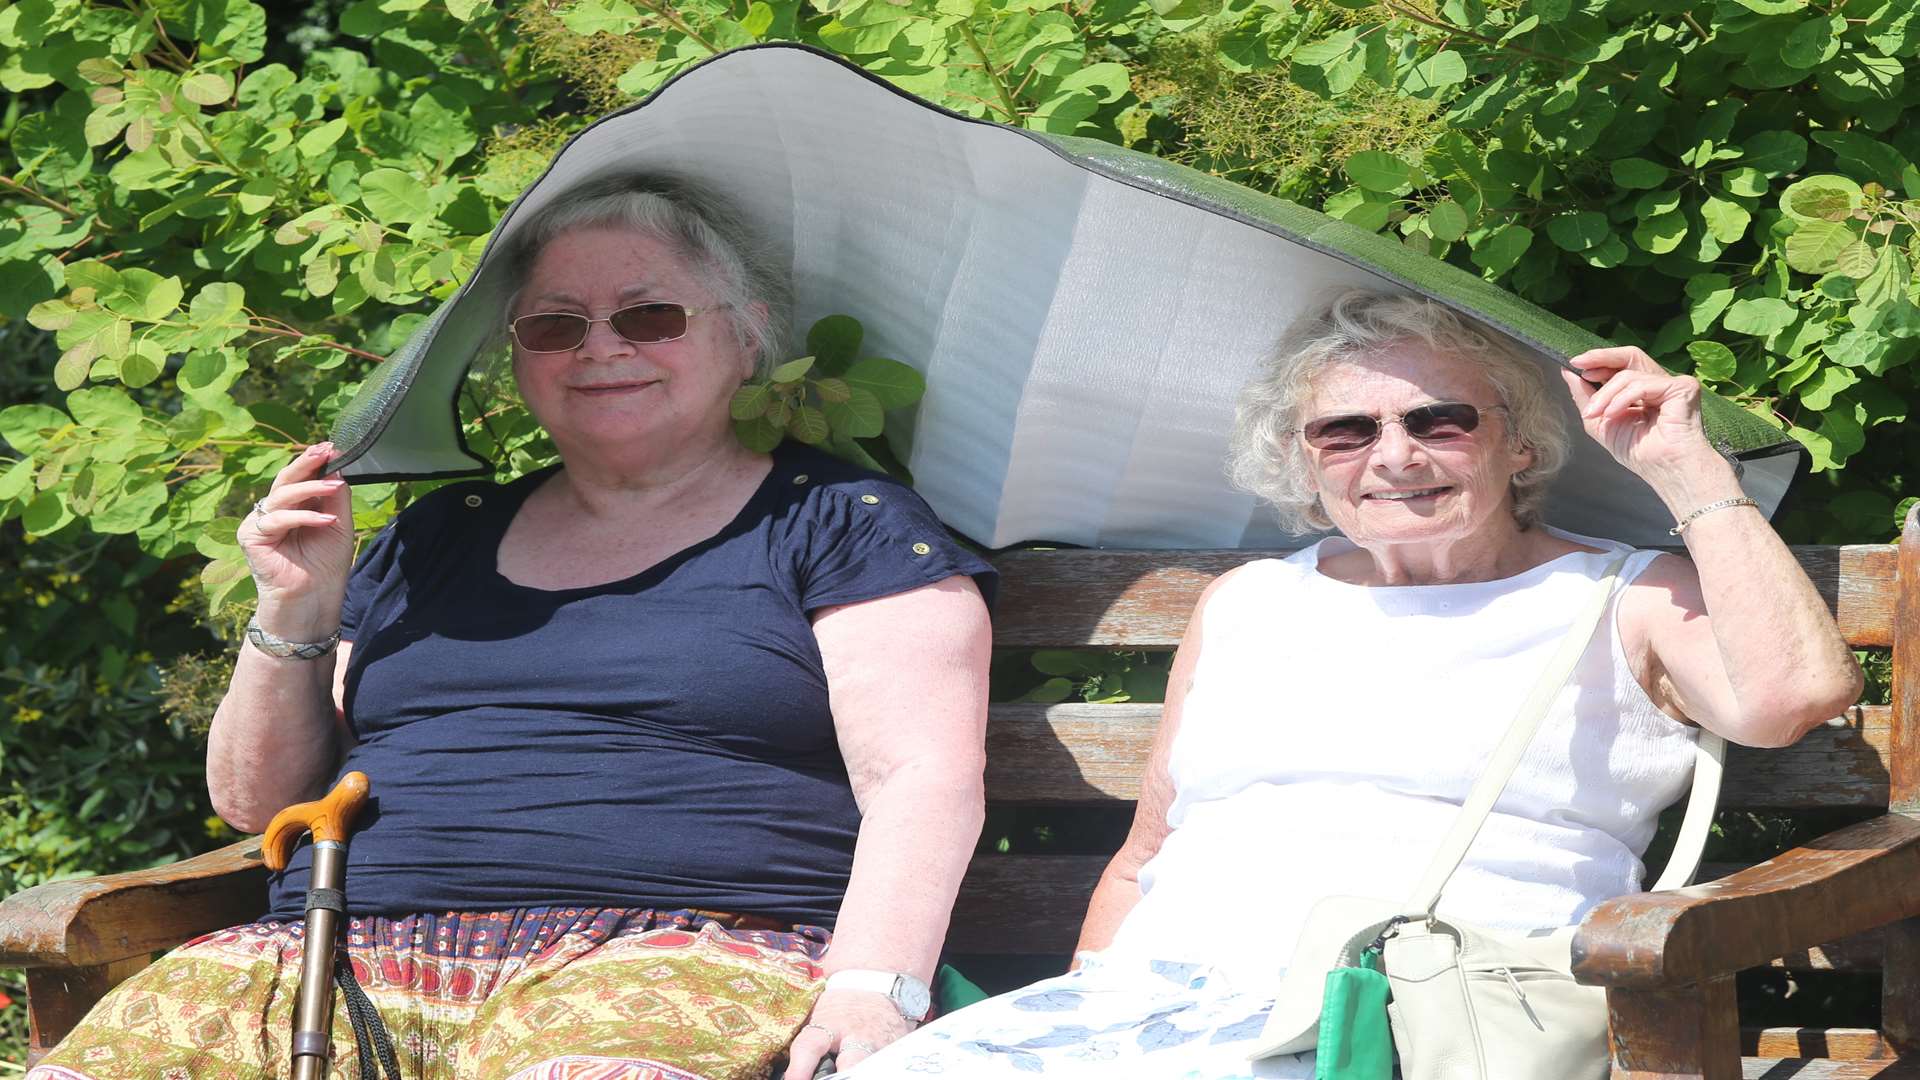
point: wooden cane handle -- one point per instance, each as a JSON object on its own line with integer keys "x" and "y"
{"x": 330, "y": 818}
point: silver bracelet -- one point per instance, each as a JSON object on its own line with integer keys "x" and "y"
{"x": 1740, "y": 500}
{"x": 280, "y": 647}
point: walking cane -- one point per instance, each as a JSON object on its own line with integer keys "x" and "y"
{"x": 330, "y": 820}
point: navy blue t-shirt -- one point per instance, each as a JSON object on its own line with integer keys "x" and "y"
{"x": 660, "y": 741}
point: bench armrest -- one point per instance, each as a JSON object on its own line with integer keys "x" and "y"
{"x": 1846, "y": 882}
{"x": 87, "y": 922}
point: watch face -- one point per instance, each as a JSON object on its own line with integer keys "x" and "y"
{"x": 912, "y": 997}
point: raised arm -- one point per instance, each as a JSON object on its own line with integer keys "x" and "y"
{"x": 278, "y": 735}
{"x": 1119, "y": 887}
{"x": 907, "y": 678}
{"x": 1737, "y": 639}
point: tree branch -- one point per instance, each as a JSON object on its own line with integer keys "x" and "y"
{"x": 41, "y": 199}
{"x": 290, "y": 332}
{"x": 986, "y": 65}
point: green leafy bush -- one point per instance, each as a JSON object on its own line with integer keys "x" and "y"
{"x": 216, "y": 216}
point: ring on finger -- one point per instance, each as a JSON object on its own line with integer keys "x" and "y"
{"x": 831, "y": 1034}
{"x": 856, "y": 1044}
{"x": 260, "y": 506}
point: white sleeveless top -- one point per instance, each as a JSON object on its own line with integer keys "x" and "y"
{"x": 1333, "y": 730}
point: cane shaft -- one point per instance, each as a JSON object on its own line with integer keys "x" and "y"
{"x": 313, "y": 1007}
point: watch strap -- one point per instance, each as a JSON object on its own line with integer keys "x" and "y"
{"x": 910, "y": 995}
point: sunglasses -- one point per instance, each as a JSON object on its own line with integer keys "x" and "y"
{"x": 1437, "y": 422}
{"x": 643, "y": 324}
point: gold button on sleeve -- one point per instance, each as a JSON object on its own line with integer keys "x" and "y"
{"x": 921, "y": 549}
{"x": 473, "y": 501}
{"x": 870, "y": 500}
{"x": 801, "y": 479}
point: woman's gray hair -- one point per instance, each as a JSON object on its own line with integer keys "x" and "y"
{"x": 1264, "y": 456}
{"x": 699, "y": 226}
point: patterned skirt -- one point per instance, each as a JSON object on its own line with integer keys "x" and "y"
{"x": 536, "y": 994}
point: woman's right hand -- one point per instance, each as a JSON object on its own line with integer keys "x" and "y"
{"x": 298, "y": 541}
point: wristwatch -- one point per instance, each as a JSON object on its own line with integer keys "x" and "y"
{"x": 907, "y": 993}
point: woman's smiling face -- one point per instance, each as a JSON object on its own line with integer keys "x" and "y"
{"x": 1402, "y": 490}
{"x": 613, "y": 391}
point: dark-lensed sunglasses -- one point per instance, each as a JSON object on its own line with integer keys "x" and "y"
{"x": 1437, "y": 422}
{"x": 645, "y": 323}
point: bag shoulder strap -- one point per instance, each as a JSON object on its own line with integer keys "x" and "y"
{"x": 1709, "y": 760}
{"x": 1513, "y": 745}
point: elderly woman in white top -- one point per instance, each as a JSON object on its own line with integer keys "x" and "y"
{"x": 1328, "y": 712}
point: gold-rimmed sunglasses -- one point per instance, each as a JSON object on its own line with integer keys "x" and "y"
{"x": 645, "y": 323}
{"x": 1437, "y": 422}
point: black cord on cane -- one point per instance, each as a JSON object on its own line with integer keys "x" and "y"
{"x": 370, "y": 1034}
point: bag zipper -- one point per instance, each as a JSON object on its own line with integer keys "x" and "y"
{"x": 1507, "y": 974}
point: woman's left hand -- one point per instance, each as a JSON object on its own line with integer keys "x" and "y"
{"x": 1643, "y": 414}
{"x": 849, "y": 1024}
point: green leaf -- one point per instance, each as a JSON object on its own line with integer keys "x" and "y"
{"x": 750, "y": 401}
{"x": 834, "y": 341}
{"x": 1817, "y": 392}
{"x": 1760, "y": 317}
{"x": 1863, "y": 157}
{"x": 48, "y": 512}
{"x": 1726, "y": 220}
{"x": 859, "y": 416}
{"x": 832, "y": 390}
{"x": 1636, "y": 172}
{"x": 1772, "y": 7}
{"x": 1366, "y": 214}
{"x": 394, "y": 197}
{"x": 1815, "y": 246}
{"x": 588, "y": 17}
{"x": 1578, "y": 231}
{"x": 321, "y": 139}
{"x": 1330, "y": 67}
{"x": 206, "y": 88}
{"x": 759, "y": 19}
{"x": 808, "y": 425}
{"x": 465, "y": 10}
{"x": 25, "y": 427}
{"x": 15, "y": 482}
{"x": 1712, "y": 361}
{"x": 793, "y": 370}
{"x": 1744, "y": 181}
{"x": 323, "y": 274}
{"x": 1499, "y": 250}
{"x": 71, "y": 369}
{"x": 1812, "y": 43}
{"x": 1854, "y": 348}
{"x": 105, "y": 407}
{"x": 142, "y": 364}
{"x": 1821, "y": 198}
{"x": 1661, "y": 233}
{"x": 1447, "y": 220}
{"x": 1710, "y": 294}
{"x": 1435, "y": 73}
{"x": 893, "y": 383}
{"x": 758, "y": 434}
{"x": 1377, "y": 170}
{"x": 1774, "y": 153}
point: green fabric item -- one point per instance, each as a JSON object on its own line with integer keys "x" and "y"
{"x": 952, "y": 990}
{"x": 1355, "y": 1042}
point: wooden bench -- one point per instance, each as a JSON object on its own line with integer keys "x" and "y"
{"x": 1847, "y": 901}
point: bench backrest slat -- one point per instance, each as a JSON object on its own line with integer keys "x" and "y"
{"x": 1141, "y": 599}
{"x": 1092, "y": 754}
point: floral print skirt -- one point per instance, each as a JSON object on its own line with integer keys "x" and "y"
{"x": 535, "y": 994}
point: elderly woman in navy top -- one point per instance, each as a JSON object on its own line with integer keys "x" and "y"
{"x": 638, "y": 726}
{"x": 1328, "y": 712}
